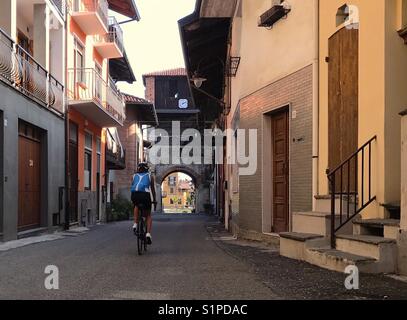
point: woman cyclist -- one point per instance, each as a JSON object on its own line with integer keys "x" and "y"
{"x": 143, "y": 193}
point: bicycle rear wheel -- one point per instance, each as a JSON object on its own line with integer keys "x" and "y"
{"x": 140, "y": 237}
{"x": 145, "y": 236}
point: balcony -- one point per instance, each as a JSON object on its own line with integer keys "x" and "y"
{"x": 110, "y": 45}
{"x": 19, "y": 70}
{"x": 90, "y": 15}
{"x": 60, "y": 5}
{"x": 115, "y": 153}
{"x": 98, "y": 101}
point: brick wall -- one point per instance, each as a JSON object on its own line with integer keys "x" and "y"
{"x": 295, "y": 90}
{"x": 150, "y": 89}
{"x": 128, "y": 137}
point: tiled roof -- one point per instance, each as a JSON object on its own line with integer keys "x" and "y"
{"x": 146, "y": 109}
{"x": 133, "y": 99}
{"x": 172, "y": 72}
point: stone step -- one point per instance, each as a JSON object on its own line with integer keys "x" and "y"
{"x": 323, "y": 204}
{"x": 337, "y": 260}
{"x": 294, "y": 244}
{"x": 387, "y": 228}
{"x": 31, "y": 233}
{"x": 317, "y": 223}
{"x": 393, "y": 209}
{"x": 370, "y": 254}
{"x": 384, "y": 250}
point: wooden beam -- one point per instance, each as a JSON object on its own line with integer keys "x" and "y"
{"x": 218, "y": 9}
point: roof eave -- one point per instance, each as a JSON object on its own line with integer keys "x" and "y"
{"x": 132, "y": 13}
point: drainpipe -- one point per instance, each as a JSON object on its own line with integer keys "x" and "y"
{"x": 315, "y": 109}
{"x": 67, "y": 203}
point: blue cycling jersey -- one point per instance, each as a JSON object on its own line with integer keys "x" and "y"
{"x": 141, "y": 182}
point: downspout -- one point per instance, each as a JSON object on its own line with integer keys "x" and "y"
{"x": 67, "y": 174}
{"x": 315, "y": 109}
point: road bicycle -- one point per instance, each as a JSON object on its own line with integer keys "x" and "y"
{"x": 141, "y": 231}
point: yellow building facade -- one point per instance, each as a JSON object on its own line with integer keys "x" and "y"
{"x": 176, "y": 193}
{"x": 382, "y": 62}
{"x": 359, "y": 199}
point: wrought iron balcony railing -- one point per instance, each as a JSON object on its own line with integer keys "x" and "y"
{"x": 115, "y": 35}
{"x": 21, "y": 71}
{"x": 101, "y": 7}
{"x": 88, "y": 85}
{"x": 115, "y": 101}
{"x": 61, "y": 6}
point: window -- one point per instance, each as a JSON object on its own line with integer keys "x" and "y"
{"x": 24, "y": 42}
{"x": 98, "y": 145}
{"x": 88, "y": 141}
{"x": 173, "y": 87}
{"x": 98, "y": 80}
{"x": 79, "y": 57}
{"x": 88, "y": 162}
{"x": 73, "y": 132}
{"x": 98, "y": 151}
{"x": 171, "y": 190}
{"x": 172, "y": 181}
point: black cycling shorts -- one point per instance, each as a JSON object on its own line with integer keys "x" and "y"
{"x": 141, "y": 199}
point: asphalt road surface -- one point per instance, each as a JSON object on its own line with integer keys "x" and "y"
{"x": 183, "y": 263}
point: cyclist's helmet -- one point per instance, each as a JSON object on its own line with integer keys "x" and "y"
{"x": 142, "y": 167}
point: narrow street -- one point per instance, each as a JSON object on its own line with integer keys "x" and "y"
{"x": 183, "y": 263}
{"x": 191, "y": 258}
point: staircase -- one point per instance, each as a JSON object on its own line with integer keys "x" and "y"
{"x": 337, "y": 236}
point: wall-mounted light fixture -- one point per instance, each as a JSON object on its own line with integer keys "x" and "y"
{"x": 279, "y": 10}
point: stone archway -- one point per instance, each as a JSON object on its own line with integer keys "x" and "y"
{"x": 194, "y": 171}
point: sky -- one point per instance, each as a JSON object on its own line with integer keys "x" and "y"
{"x": 153, "y": 43}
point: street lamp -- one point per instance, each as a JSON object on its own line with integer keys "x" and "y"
{"x": 198, "y": 80}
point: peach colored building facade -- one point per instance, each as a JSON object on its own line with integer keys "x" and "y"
{"x": 274, "y": 87}
{"x": 94, "y": 37}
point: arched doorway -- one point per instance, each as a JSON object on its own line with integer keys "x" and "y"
{"x": 178, "y": 193}
{"x": 201, "y": 190}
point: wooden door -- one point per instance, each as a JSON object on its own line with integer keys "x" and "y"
{"x": 29, "y": 180}
{"x": 98, "y": 183}
{"x": 343, "y": 98}
{"x": 73, "y": 171}
{"x": 73, "y": 181}
{"x": 280, "y": 171}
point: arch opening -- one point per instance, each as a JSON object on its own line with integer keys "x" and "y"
{"x": 178, "y": 193}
